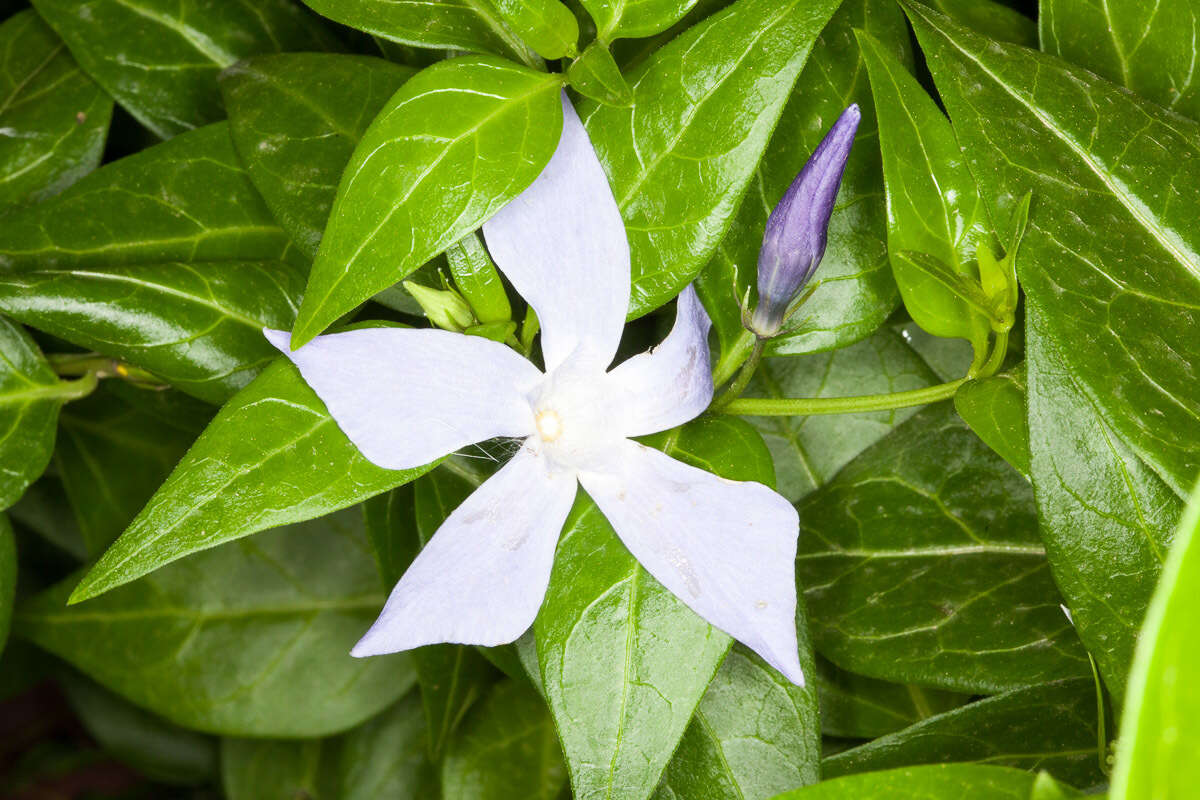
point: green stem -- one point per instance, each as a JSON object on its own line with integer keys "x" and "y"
{"x": 812, "y": 406}
{"x": 996, "y": 359}
{"x": 84, "y": 364}
{"x": 77, "y": 390}
{"x": 743, "y": 378}
{"x": 728, "y": 364}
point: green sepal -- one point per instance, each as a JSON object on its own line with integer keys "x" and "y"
{"x": 595, "y": 75}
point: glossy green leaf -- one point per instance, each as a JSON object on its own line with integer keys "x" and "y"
{"x": 295, "y": 119}
{"x": 8, "y": 577}
{"x": 921, "y": 563}
{"x": 1111, "y": 249}
{"x": 471, "y": 25}
{"x": 547, "y": 25}
{"x": 55, "y": 116}
{"x": 278, "y": 614}
{"x": 160, "y": 58}
{"x": 265, "y": 769}
{"x": 595, "y": 75}
{"x": 196, "y": 326}
{"x": 995, "y": 409}
{"x": 30, "y": 398}
{"x": 477, "y": 278}
{"x": 933, "y": 204}
{"x": 457, "y": 142}
{"x": 1050, "y": 727}
{"x": 150, "y": 744}
{"x": 1149, "y": 47}
{"x": 992, "y": 19}
{"x": 634, "y": 19}
{"x": 188, "y": 199}
{"x": 857, "y": 707}
{"x": 681, "y": 157}
{"x": 271, "y": 457}
{"x": 939, "y": 782}
{"x": 753, "y": 735}
{"x": 808, "y": 450}
{"x": 853, "y": 288}
{"x": 624, "y": 662}
{"x": 111, "y": 457}
{"x": 506, "y": 749}
{"x": 1160, "y": 729}
{"x": 1106, "y": 517}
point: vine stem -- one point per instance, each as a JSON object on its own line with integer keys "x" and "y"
{"x": 813, "y": 406}
{"x": 730, "y": 395}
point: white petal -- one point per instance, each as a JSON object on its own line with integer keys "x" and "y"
{"x": 672, "y": 383}
{"x": 482, "y": 577}
{"x": 562, "y": 244}
{"x": 406, "y": 397}
{"x": 726, "y": 549}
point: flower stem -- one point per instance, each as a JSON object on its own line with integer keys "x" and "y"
{"x": 742, "y": 380}
{"x": 812, "y": 406}
{"x": 728, "y": 364}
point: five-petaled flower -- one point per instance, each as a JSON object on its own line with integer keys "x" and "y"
{"x": 407, "y": 397}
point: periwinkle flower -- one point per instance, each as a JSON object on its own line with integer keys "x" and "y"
{"x": 406, "y": 397}
{"x": 797, "y": 230}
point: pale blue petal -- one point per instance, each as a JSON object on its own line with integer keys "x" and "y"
{"x": 483, "y": 575}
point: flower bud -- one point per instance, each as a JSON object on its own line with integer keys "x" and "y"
{"x": 445, "y": 309}
{"x": 795, "y": 236}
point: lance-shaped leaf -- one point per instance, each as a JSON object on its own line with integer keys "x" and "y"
{"x": 992, "y": 19}
{"x": 607, "y": 630}
{"x": 597, "y": 76}
{"x": 188, "y": 199}
{"x": 1111, "y": 248}
{"x": 197, "y": 326}
{"x": 1050, "y": 727}
{"x": 295, "y": 120}
{"x": 550, "y": 27}
{"x": 622, "y": 19}
{"x": 471, "y": 25}
{"x": 1149, "y": 47}
{"x": 922, "y": 783}
{"x": 1106, "y": 517}
{"x": 8, "y": 577}
{"x": 160, "y": 59}
{"x": 279, "y": 615}
{"x": 858, "y": 707}
{"x": 921, "y": 563}
{"x": 853, "y": 291}
{"x": 933, "y": 204}
{"x": 30, "y": 396}
{"x": 454, "y": 145}
{"x": 679, "y": 159}
{"x": 753, "y": 735}
{"x": 1160, "y": 729}
{"x": 995, "y": 409}
{"x": 55, "y": 117}
{"x": 271, "y": 457}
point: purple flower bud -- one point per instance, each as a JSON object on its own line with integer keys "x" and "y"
{"x": 794, "y": 240}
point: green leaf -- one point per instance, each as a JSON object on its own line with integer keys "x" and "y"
{"x": 1149, "y": 47}
{"x": 55, "y": 116}
{"x": 196, "y": 326}
{"x": 44, "y": 510}
{"x": 995, "y": 409}
{"x": 1050, "y": 727}
{"x": 595, "y": 75}
{"x": 248, "y": 639}
{"x": 921, "y": 564}
{"x": 1106, "y": 517}
{"x": 808, "y": 450}
{"x": 1160, "y": 729}
{"x": 1111, "y": 249}
{"x": 295, "y": 119}
{"x": 160, "y": 58}
{"x": 150, "y": 744}
{"x": 992, "y": 19}
{"x": 264, "y": 769}
{"x": 458, "y": 141}
{"x": 1046, "y": 788}
{"x": 624, "y": 662}
{"x": 30, "y": 397}
{"x": 188, "y": 199}
{"x": 506, "y": 749}
{"x": 8, "y": 577}
{"x": 853, "y": 289}
{"x": 471, "y": 25}
{"x": 111, "y": 457}
{"x": 622, "y": 19}
{"x": 857, "y": 707}
{"x": 934, "y": 207}
{"x": 753, "y": 735}
{"x": 271, "y": 457}
{"x": 680, "y": 159}
{"x": 476, "y": 276}
{"x": 549, "y": 26}
{"x": 923, "y": 783}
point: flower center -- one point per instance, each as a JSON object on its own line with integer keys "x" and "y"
{"x": 549, "y": 424}
{"x": 573, "y": 419}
